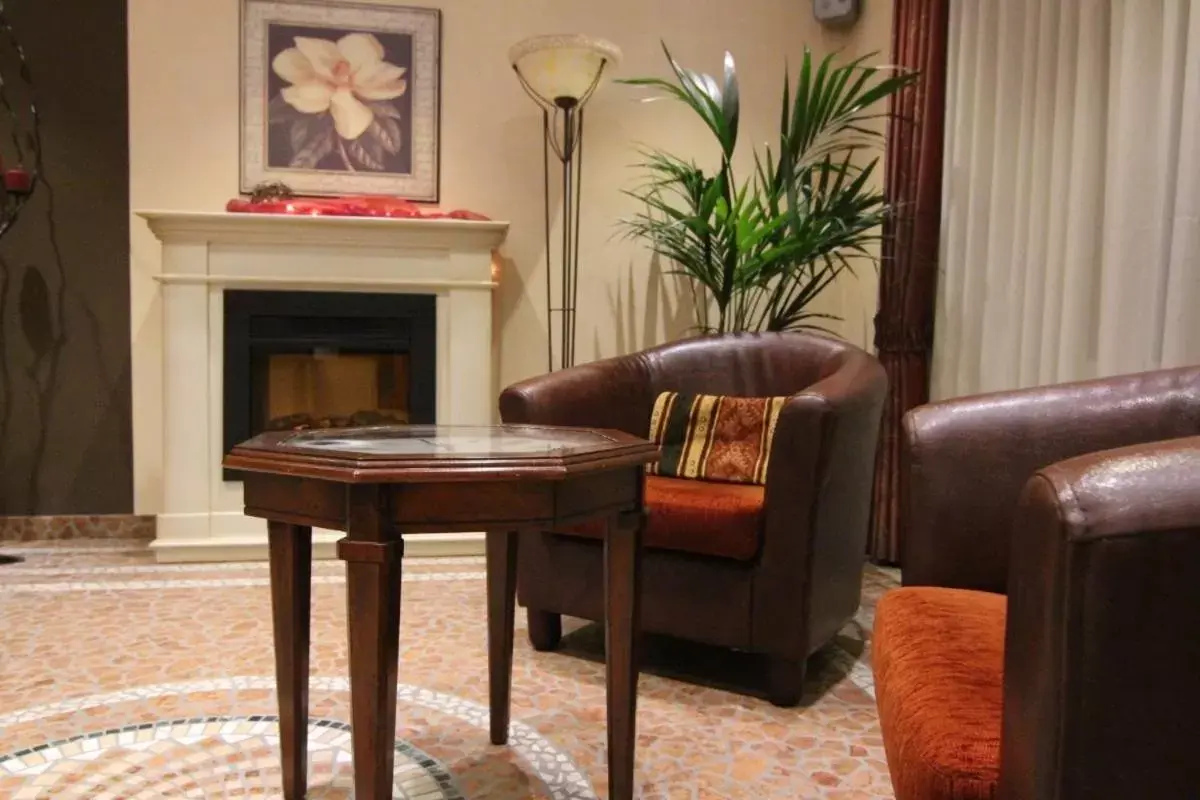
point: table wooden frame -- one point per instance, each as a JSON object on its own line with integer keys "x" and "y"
{"x": 375, "y": 500}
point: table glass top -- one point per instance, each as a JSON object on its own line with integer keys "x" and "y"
{"x": 449, "y": 441}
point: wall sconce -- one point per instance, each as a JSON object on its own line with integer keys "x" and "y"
{"x": 837, "y": 13}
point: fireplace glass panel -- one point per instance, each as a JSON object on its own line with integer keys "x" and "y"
{"x": 327, "y": 389}
{"x": 299, "y": 361}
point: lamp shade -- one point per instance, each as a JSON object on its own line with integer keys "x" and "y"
{"x": 567, "y": 68}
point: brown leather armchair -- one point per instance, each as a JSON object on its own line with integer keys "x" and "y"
{"x": 775, "y": 570}
{"x": 1082, "y": 503}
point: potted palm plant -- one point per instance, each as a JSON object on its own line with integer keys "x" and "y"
{"x": 758, "y": 251}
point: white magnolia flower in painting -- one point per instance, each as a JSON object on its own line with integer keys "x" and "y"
{"x": 338, "y": 77}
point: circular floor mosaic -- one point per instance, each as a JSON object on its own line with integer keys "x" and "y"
{"x": 233, "y": 752}
{"x": 204, "y": 758}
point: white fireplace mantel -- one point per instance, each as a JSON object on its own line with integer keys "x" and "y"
{"x": 199, "y": 515}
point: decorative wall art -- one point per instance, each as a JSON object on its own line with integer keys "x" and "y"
{"x": 341, "y": 98}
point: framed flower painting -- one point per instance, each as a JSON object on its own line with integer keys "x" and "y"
{"x": 341, "y": 98}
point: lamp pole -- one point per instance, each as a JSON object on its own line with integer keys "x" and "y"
{"x": 571, "y": 160}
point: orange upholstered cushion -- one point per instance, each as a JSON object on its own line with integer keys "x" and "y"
{"x": 711, "y": 519}
{"x": 938, "y": 657}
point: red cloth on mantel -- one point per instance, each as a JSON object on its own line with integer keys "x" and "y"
{"x": 390, "y": 207}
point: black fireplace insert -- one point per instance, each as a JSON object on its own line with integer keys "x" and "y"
{"x": 304, "y": 360}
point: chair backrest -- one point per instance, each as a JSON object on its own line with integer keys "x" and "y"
{"x": 1102, "y": 654}
{"x": 748, "y": 365}
{"x": 966, "y": 461}
{"x": 620, "y": 392}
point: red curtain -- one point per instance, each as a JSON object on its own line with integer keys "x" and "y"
{"x": 908, "y": 274}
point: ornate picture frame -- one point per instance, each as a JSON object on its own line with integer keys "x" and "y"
{"x": 341, "y": 98}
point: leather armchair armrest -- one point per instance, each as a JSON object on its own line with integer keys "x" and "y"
{"x": 1101, "y": 651}
{"x": 818, "y": 500}
{"x": 965, "y": 462}
{"x": 613, "y": 393}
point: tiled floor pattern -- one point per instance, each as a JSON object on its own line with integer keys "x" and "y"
{"x": 120, "y": 678}
{"x": 203, "y": 757}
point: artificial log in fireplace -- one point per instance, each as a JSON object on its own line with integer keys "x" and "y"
{"x": 302, "y": 360}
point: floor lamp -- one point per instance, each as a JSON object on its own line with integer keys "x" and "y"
{"x": 561, "y": 73}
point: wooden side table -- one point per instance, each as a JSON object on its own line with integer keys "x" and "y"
{"x": 378, "y": 483}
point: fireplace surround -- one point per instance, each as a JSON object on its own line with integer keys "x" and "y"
{"x": 420, "y": 279}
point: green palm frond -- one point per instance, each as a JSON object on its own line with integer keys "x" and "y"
{"x": 762, "y": 250}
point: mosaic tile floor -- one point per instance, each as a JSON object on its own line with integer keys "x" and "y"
{"x": 121, "y": 678}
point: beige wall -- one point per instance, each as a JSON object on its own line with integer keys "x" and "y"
{"x": 184, "y": 142}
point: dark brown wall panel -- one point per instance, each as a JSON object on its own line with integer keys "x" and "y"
{"x": 65, "y": 429}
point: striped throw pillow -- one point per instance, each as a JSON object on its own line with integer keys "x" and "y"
{"x": 713, "y": 437}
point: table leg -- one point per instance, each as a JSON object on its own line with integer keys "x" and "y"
{"x": 622, "y": 594}
{"x": 290, "y": 549}
{"x": 502, "y": 603}
{"x": 373, "y": 610}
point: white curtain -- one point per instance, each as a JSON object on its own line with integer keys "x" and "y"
{"x": 1070, "y": 231}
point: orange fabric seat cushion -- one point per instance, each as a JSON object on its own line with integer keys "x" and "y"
{"x": 938, "y": 658}
{"x": 710, "y": 519}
